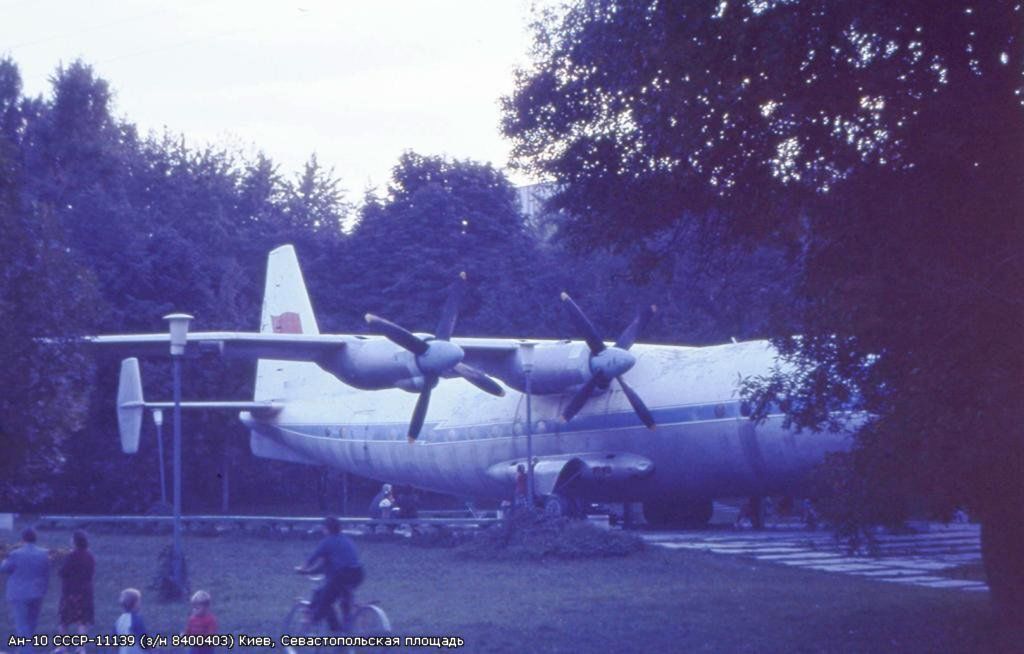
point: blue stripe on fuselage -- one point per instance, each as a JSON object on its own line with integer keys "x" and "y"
{"x": 386, "y": 431}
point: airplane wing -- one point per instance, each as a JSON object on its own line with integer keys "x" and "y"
{"x": 495, "y": 356}
{"x": 242, "y": 345}
{"x": 488, "y": 354}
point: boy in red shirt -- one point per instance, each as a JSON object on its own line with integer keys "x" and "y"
{"x": 201, "y": 621}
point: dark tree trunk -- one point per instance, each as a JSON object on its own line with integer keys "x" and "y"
{"x": 1002, "y": 549}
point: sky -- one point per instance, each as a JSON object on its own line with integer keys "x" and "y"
{"x": 355, "y": 82}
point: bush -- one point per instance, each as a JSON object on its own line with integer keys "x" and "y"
{"x": 164, "y": 583}
{"x": 529, "y": 535}
{"x": 439, "y": 536}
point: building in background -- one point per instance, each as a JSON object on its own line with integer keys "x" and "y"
{"x": 532, "y": 201}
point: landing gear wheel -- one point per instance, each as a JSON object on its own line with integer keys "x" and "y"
{"x": 698, "y": 513}
{"x": 658, "y": 514}
{"x": 557, "y": 506}
{"x": 682, "y": 514}
{"x": 564, "y": 506}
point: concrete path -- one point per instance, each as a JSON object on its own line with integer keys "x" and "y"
{"x": 917, "y": 559}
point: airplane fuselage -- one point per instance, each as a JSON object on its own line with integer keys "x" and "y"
{"x": 703, "y": 447}
{"x": 355, "y": 402}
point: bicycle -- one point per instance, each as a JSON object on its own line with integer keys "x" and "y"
{"x": 365, "y": 619}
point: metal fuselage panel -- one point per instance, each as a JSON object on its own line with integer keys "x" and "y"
{"x": 702, "y": 446}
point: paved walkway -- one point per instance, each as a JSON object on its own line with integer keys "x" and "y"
{"x": 916, "y": 559}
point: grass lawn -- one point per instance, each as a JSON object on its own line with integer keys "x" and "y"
{"x": 656, "y": 601}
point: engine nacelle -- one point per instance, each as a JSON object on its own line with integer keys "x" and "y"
{"x": 557, "y": 367}
{"x": 374, "y": 364}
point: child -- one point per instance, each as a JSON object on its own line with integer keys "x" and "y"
{"x": 130, "y": 622}
{"x": 201, "y": 621}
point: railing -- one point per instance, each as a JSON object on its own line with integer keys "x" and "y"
{"x": 430, "y": 518}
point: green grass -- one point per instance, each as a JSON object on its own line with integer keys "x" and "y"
{"x": 656, "y": 601}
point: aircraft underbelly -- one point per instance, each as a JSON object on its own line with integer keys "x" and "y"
{"x": 716, "y": 458}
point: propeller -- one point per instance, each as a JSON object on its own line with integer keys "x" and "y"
{"x": 607, "y": 363}
{"x": 435, "y": 355}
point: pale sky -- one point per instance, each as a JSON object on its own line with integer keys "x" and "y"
{"x": 356, "y": 82}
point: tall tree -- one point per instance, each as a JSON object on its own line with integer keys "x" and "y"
{"x": 882, "y": 145}
{"x": 43, "y": 294}
{"x": 441, "y": 217}
{"x": 104, "y": 231}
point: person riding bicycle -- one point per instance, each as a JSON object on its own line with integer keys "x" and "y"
{"x": 336, "y": 557}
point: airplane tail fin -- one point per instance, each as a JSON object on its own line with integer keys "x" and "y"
{"x": 286, "y": 306}
{"x": 286, "y": 310}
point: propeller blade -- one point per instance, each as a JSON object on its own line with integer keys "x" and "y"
{"x": 450, "y": 312}
{"x": 398, "y": 335}
{"x": 635, "y": 328}
{"x": 578, "y": 400}
{"x": 584, "y": 325}
{"x": 419, "y": 414}
{"x": 637, "y": 403}
{"x": 479, "y": 379}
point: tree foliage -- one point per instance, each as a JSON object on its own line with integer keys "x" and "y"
{"x": 880, "y": 146}
{"x": 105, "y": 231}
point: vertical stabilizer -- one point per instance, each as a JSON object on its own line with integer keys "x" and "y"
{"x": 286, "y": 307}
{"x": 286, "y": 310}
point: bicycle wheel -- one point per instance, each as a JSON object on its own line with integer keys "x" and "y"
{"x": 300, "y": 622}
{"x": 369, "y": 620}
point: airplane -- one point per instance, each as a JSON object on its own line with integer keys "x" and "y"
{"x": 344, "y": 401}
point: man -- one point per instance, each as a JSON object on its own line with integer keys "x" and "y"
{"x": 29, "y": 567}
{"x": 336, "y": 557}
{"x": 383, "y": 506}
{"x": 375, "y": 503}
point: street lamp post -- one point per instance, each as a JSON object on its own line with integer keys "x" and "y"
{"x": 158, "y": 420}
{"x": 527, "y": 361}
{"x": 179, "y": 335}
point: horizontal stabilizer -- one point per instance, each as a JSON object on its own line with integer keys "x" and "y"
{"x": 257, "y": 408}
{"x": 131, "y": 406}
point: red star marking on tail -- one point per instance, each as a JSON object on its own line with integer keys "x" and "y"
{"x": 287, "y": 323}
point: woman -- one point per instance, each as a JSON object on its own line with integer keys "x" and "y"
{"x": 76, "y": 605}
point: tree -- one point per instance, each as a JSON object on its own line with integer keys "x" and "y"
{"x": 42, "y": 294}
{"x": 107, "y": 232}
{"x": 441, "y": 217}
{"x": 880, "y": 145}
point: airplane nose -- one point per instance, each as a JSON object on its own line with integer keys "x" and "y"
{"x": 439, "y": 357}
{"x": 612, "y": 362}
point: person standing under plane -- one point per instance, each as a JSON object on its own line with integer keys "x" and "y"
{"x": 374, "y": 511}
{"x": 519, "y": 498}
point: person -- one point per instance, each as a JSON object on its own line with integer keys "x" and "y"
{"x": 130, "y": 622}
{"x": 375, "y": 504}
{"x": 29, "y": 570}
{"x": 76, "y": 591}
{"x": 810, "y": 515}
{"x": 519, "y": 498}
{"x": 408, "y": 502}
{"x": 201, "y": 620}
{"x": 336, "y": 557}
